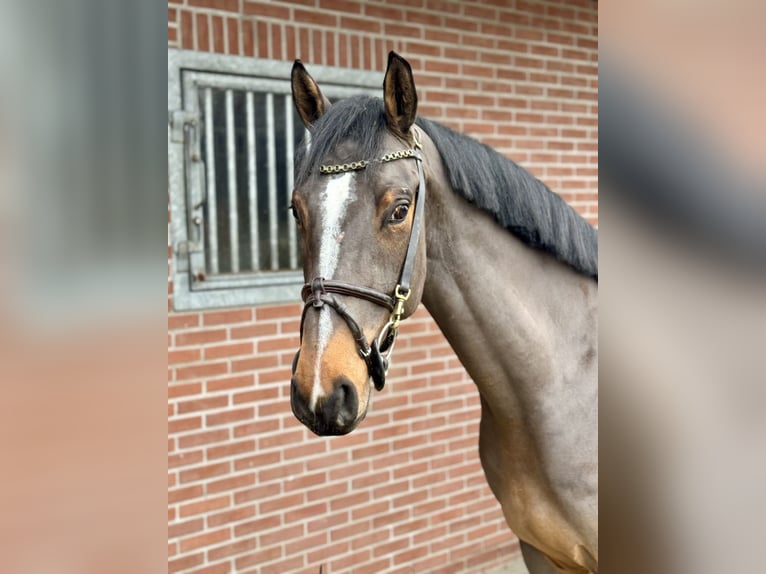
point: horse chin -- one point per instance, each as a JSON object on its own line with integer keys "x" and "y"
{"x": 339, "y": 431}
{"x": 321, "y": 429}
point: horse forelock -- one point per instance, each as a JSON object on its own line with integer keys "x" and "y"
{"x": 351, "y": 130}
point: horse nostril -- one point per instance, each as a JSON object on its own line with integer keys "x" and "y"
{"x": 349, "y": 400}
{"x": 300, "y": 409}
{"x": 340, "y": 408}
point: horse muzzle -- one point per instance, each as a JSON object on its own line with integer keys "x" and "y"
{"x": 336, "y": 414}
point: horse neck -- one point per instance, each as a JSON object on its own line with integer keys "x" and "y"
{"x": 522, "y": 323}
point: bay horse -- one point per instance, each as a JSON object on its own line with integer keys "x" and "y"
{"x": 394, "y": 210}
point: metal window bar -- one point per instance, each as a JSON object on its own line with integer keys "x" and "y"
{"x": 252, "y": 182}
{"x": 211, "y": 219}
{"x": 231, "y": 165}
{"x": 271, "y": 151}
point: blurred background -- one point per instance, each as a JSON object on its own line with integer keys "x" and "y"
{"x": 682, "y": 186}
{"x": 83, "y": 275}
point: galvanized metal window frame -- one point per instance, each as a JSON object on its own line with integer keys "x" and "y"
{"x": 186, "y": 172}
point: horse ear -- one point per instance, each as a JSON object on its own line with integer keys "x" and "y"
{"x": 399, "y": 95}
{"x": 307, "y": 97}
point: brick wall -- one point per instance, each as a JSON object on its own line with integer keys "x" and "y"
{"x": 251, "y": 490}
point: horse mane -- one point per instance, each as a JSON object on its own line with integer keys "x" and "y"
{"x": 518, "y": 201}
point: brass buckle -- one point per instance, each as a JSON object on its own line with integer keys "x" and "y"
{"x": 401, "y": 299}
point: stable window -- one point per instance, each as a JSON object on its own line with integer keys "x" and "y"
{"x": 232, "y": 136}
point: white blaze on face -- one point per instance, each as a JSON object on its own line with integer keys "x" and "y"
{"x": 334, "y": 199}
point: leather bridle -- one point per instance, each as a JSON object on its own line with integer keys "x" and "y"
{"x": 320, "y": 291}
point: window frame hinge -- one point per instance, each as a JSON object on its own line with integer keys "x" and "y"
{"x": 179, "y": 120}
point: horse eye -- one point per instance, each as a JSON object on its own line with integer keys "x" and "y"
{"x": 400, "y": 213}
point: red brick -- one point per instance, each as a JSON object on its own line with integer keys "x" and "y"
{"x": 257, "y": 460}
{"x": 304, "y": 481}
{"x": 177, "y": 321}
{"x": 203, "y": 472}
{"x": 229, "y": 383}
{"x": 441, "y": 67}
{"x": 186, "y": 562}
{"x": 349, "y": 562}
{"x": 402, "y": 30}
{"x": 230, "y": 483}
{"x": 221, "y": 568}
{"x": 230, "y": 449}
{"x": 256, "y": 427}
{"x": 279, "y": 472}
{"x": 204, "y": 506}
{"x": 183, "y": 356}
{"x": 255, "y": 363}
{"x": 276, "y": 41}
{"x": 256, "y": 493}
{"x": 239, "y": 547}
{"x": 230, "y": 5}
{"x": 266, "y": 10}
{"x": 227, "y": 317}
{"x": 229, "y": 416}
{"x": 202, "y": 404}
{"x": 350, "y": 500}
{"x": 205, "y": 437}
{"x": 187, "y": 30}
{"x": 200, "y": 337}
{"x": 279, "y": 344}
{"x": 350, "y": 530}
{"x": 203, "y": 32}
{"x": 281, "y": 407}
{"x": 345, "y": 6}
{"x": 277, "y": 312}
{"x": 230, "y": 350}
{"x": 426, "y": 19}
{"x": 288, "y": 564}
{"x": 184, "y": 390}
{"x": 460, "y": 24}
{"x": 257, "y": 395}
{"x": 390, "y": 547}
{"x": 185, "y": 458}
{"x": 248, "y": 40}
{"x": 230, "y": 516}
{"x": 410, "y": 555}
{"x": 326, "y": 553}
{"x": 280, "y": 535}
{"x": 217, "y": 22}
{"x": 327, "y": 490}
{"x": 187, "y": 493}
{"x": 206, "y": 539}
{"x": 386, "y": 13}
{"x": 233, "y": 25}
{"x": 181, "y": 528}
{"x": 262, "y": 34}
{"x": 304, "y": 512}
{"x": 258, "y": 558}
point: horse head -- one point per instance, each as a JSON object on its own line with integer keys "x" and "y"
{"x": 359, "y": 205}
